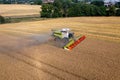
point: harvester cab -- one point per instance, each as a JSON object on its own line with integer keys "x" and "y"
{"x": 65, "y": 38}
{"x": 63, "y": 33}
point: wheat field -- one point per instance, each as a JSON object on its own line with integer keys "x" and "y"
{"x": 23, "y": 55}
{"x": 15, "y": 10}
{"x": 105, "y": 28}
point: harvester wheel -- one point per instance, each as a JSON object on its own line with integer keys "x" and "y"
{"x": 57, "y": 39}
{"x": 64, "y": 41}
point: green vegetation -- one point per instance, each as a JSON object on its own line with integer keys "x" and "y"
{"x": 98, "y": 3}
{"x": 38, "y": 2}
{"x": 117, "y": 5}
{"x": 87, "y": 10}
{"x": 2, "y": 20}
{"x": 47, "y": 10}
{"x": 72, "y": 8}
{"x": 16, "y": 20}
{"x": 111, "y": 11}
{"x": 57, "y": 9}
{"x": 118, "y": 12}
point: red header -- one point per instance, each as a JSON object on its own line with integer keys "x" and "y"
{"x": 76, "y": 43}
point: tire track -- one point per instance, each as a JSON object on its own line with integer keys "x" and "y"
{"x": 6, "y": 50}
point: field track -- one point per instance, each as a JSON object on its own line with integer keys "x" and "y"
{"x": 23, "y": 56}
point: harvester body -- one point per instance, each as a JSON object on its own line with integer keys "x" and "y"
{"x": 65, "y": 38}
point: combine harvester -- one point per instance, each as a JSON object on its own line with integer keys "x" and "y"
{"x": 65, "y": 38}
